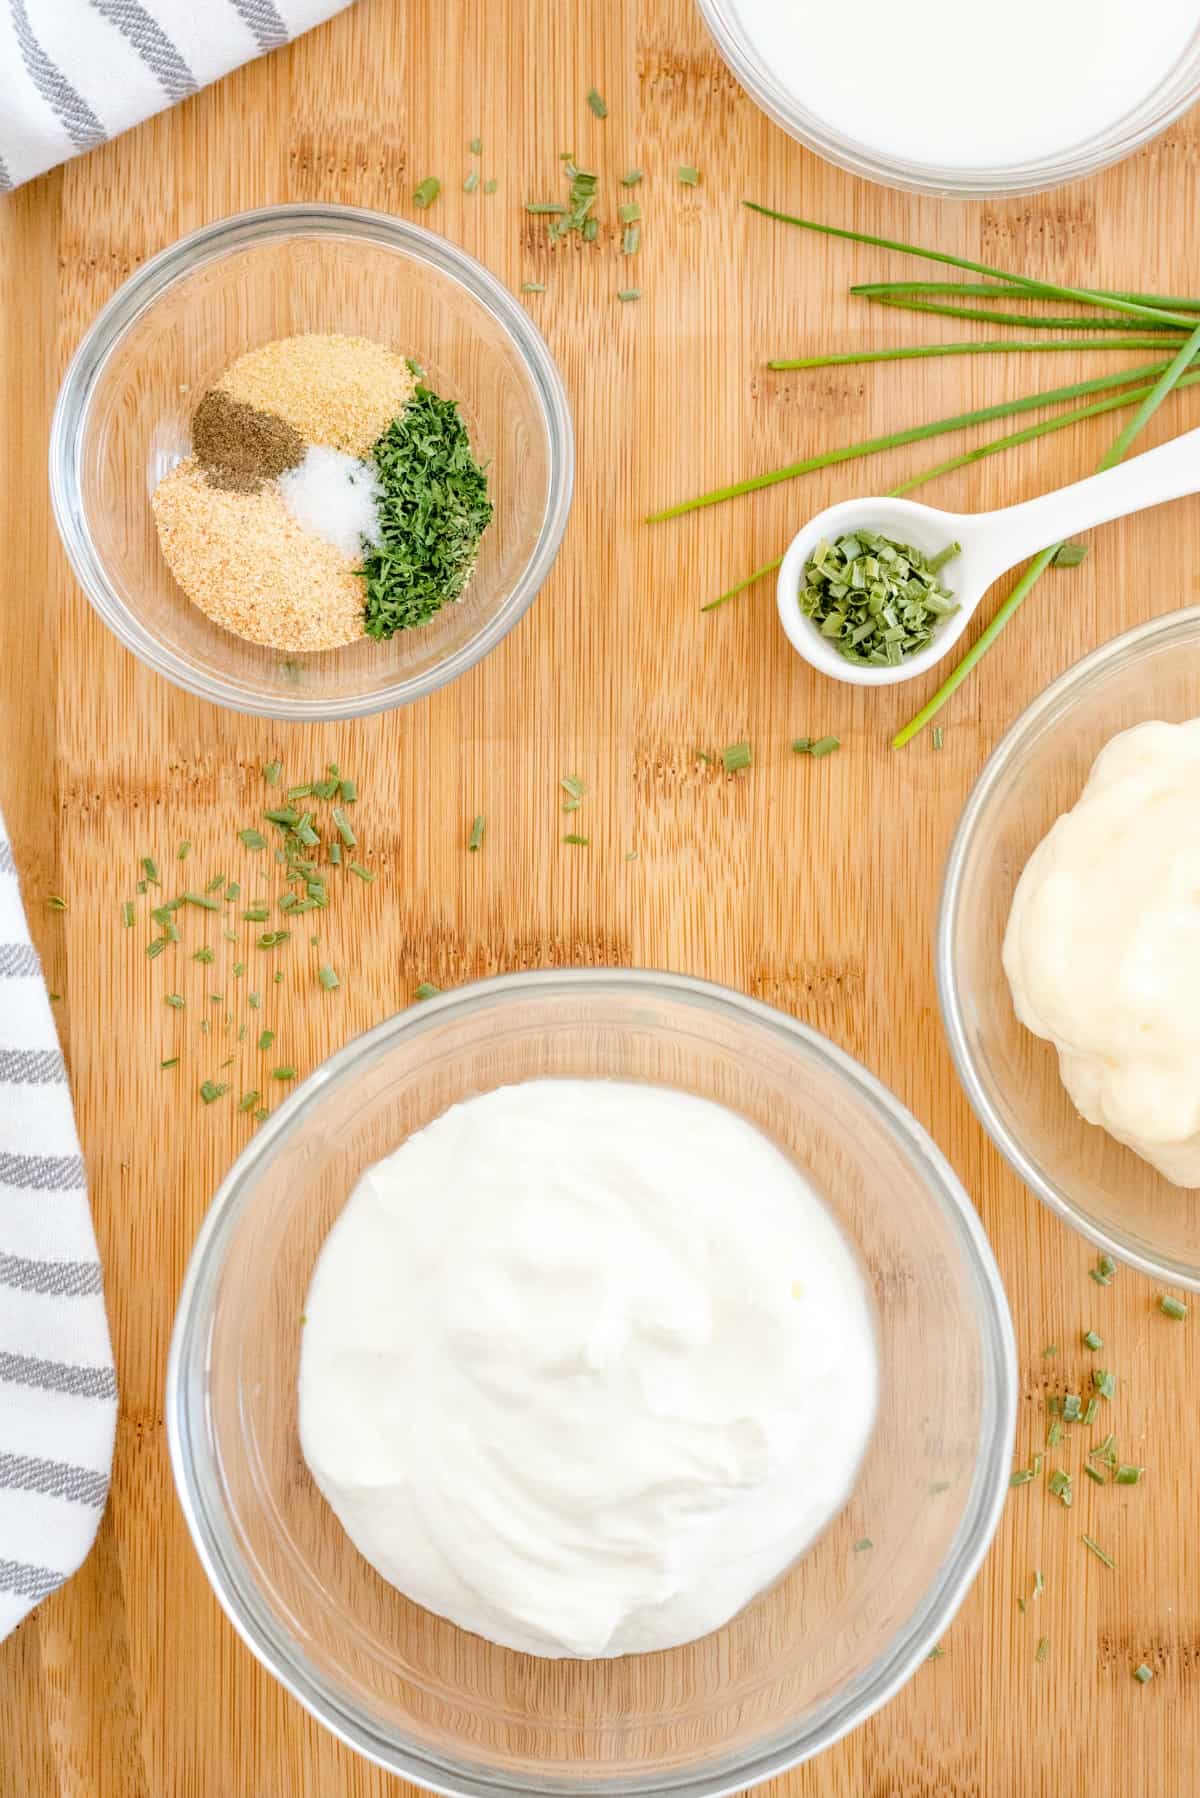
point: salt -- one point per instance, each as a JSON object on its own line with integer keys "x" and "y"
{"x": 336, "y": 497}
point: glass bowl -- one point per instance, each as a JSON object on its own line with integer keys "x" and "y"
{"x": 123, "y": 419}
{"x": 1037, "y": 772}
{"x": 1178, "y": 89}
{"x": 808, "y": 1659}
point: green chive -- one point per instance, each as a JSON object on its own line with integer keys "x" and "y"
{"x": 1059, "y": 1485}
{"x": 155, "y": 947}
{"x": 632, "y": 242}
{"x": 150, "y": 870}
{"x": 1039, "y": 1584}
{"x": 256, "y": 914}
{"x": 1043, "y": 1649}
{"x": 476, "y": 146}
{"x": 217, "y": 998}
{"x": 271, "y": 773}
{"x": 533, "y": 287}
{"x": 162, "y": 914}
{"x": 1072, "y": 1409}
{"x": 266, "y": 1039}
{"x": 248, "y": 1101}
{"x": 736, "y": 756}
{"x": 630, "y": 213}
{"x": 233, "y": 891}
{"x": 1022, "y": 1476}
{"x": 344, "y": 828}
{"x": 631, "y": 177}
{"x": 629, "y": 293}
{"x": 204, "y": 954}
{"x": 597, "y": 104}
{"x": 1104, "y": 1382}
{"x": 277, "y": 977}
{"x": 936, "y": 1653}
{"x": 1022, "y": 1606}
{"x": 825, "y": 746}
{"x": 1092, "y": 1341}
{"x": 1097, "y": 1551}
{"x": 573, "y": 787}
{"x": 578, "y": 841}
{"x": 1090, "y": 1411}
{"x": 476, "y": 837}
{"x": 1050, "y": 1350}
{"x": 427, "y": 990}
{"x": 284, "y": 1073}
{"x": 471, "y": 182}
{"x": 253, "y": 839}
{"x": 183, "y": 851}
{"x": 1129, "y": 1475}
{"x": 202, "y": 900}
{"x": 349, "y": 789}
{"x": 283, "y": 815}
{"x": 1069, "y": 555}
{"x": 689, "y": 176}
{"x": 489, "y": 187}
{"x": 426, "y": 192}
{"x": 1173, "y": 1308}
{"x": 863, "y": 1543}
{"x": 212, "y": 1089}
{"x": 1143, "y": 1674}
{"x": 1093, "y": 1473}
{"x": 328, "y": 978}
{"x": 176, "y": 1001}
{"x": 550, "y": 208}
{"x": 271, "y": 939}
{"x": 218, "y": 880}
{"x": 128, "y": 912}
{"x": 939, "y": 737}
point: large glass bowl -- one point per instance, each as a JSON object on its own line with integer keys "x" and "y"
{"x": 807, "y": 1660}
{"x": 1178, "y": 89}
{"x": 123, "y": 419}
{"x": 1038, "y": 771}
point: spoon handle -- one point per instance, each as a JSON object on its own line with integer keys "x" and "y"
{"x": 1168, "y": 472}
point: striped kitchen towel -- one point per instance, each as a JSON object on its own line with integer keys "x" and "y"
{"x": 58, "y": 1390}
{"x": 75, "y": 72}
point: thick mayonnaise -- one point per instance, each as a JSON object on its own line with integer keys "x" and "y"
{"x": 586, "y": 1366}
{"x": 1102, "y": 949}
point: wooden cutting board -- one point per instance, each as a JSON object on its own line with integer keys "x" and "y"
{"x": 812, "y": 885}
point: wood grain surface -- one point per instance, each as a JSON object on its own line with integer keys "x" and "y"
{"x": 813, "y": 885}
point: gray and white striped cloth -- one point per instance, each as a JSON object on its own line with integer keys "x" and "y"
{"x": 75, "y": 72}
{"x": 58, "y": 1389}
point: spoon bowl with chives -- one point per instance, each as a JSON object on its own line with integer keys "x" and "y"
{"x": 873, "y": 629}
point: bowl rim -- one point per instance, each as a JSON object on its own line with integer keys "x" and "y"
{"x": 1036, "y": 716}
{"x": 188, "y": 1362}
{"x": 1073, "y": 162}
{"x": 155, "y": 277}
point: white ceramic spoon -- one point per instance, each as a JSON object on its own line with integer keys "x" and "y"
{"x": 991, "y": 543}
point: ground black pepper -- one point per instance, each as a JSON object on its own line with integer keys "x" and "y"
{"x": 238, "y": 447}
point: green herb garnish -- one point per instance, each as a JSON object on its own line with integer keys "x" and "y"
{"x": 253, "y": 839}
{"x": 597, "y": 104}
{"x": 427, "y": 990}
{"x": 155, "y": 947}
{"x": 1143, "y": 1674}
{"x": 426, "y": 192}
{"x": 489, "y": 187}
{"x": 205, "y": 954}
{"x": 328, "y": 978}
{"x": 475, "y": 840}
{"x": 471, "y": 182}
{"x": 1173, "y": 1308}
{"x": 629, "y": 293}
{"x": 284, "y": 1073}
{"x": 344, "y": 827}
{"x": 271, "y": 773}
{"x": 631, "y": 177}
{"x": 128, "y": 913}
{"x": 150, "y": 870}
{"x": 183, "y": 851}
{"x": 533, "y": 287}
{"x": 1042, "y": 1650}
{"x": 688, "y": 175}
{"x": 736, "y": 756}
{"x": 939, "y": 737}
{"x": 1129, "y": 1475}
{"x": 863, "y": 1543}
{"x": 1092, "y": 1341}
{"x": 433, "y": 511}
{"x": 218, "y": 880}
{"x": 248, "y": 1101}
{"x": 266, "y": 1039}
{"x": 176, "y": 1001}
{"x": 1059, "y": 1486}
{"x": 876, "y": 600}
{"x": 632, "y": 241}
{"x": 1104, "y": 1382}
{"x": 212, "y": 1089}
{"x": 577, "y": 840}
{"x": 1097, "y": 1551}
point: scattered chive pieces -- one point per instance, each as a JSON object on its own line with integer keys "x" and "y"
{"x": 939, "y": 736}
{"x": 1054, "y": 1405}
{"x": 1094, "y": 1473}
{"x": 212, "y": 1089}
{"x": 1021, "y": 1606}
{"x": 1050, "y": 1350}
{"x": 278, "y": 976}
{"x": 825, "y": 746}
{"x": 328, "y": 978}
{"x": 1022, "y": 1476}
{"x": 863, "y": 1543}
{"x": 1092, "y": 1341}
{"x": 218, "y": 880}
{"x": 271, "y": 939}
{"x": 256, "y": 914}
{"x": 630, "y": 213}
{"x": 1143, "y": 1674}
{"x": 426, "y": 192}
{"x": 172, "y": 1061}
{"x": 1097, "y": 1551}
{"x": 363, "y": 873}
{"x": 1069, "y": 555}
{"x": 427, "y": 990}
{"x": 476, "y": 146}
{"x": 1103, "y": 1271}
{"x": 1129, "y": 1475}
{"x": 489, "y": 187}
{"x": 1042, "y": 1650}
{"x": 1059, "y": 1485}
{"x": 533, "y": 287}
{"x": 631, "y": 177}
{"x": 253, "y": 839}
{"x": 266, "y": 1039}
{"x": 476, "y": 836}
{"x": 233, "y": 891}
{"x": 936, "y": 1653}
{"x": 1072, "y": 1407}
{"x": 1104, "y": 1382}
{"x": 1174, "y": 1308}
{"x": 1089, "y": 1412}
{"x": 629, "y": 293}
{"x": 155, "y": 947}
{"x": 471, "y": 182}
{"x": 271, "y": 773}
{"x": 303, "y": 791}
{"x": 128, "y": 912}
{"x": 344, "y": 828}
{"x": 1039, "y": 1584}
{"x": 284, "y": 1073}
{"x": 162, "y": 914}
{"x": 597, "y": 104}
{"x": 688, "y": 175}
{"x": 248, "y": 1101}
{"x": 632, "y": 241}
{"x": 736, "y": 756}
{"x": 202, "y": 900}
{"x": 150, "y": 870}
{"x": 254, "y": 1000}
{"x": 204, "y": 954}
{"x": 176, "y": 1001}
{"x": 335, "y": 853}
{"x": 549, "y": 207}
{"x": 142, "y": 886}
{"x": 573, "y": 787}
{"x": 183, "y": 851}
{"x": 349, "y": 787}
{"x": 577, "y": 840}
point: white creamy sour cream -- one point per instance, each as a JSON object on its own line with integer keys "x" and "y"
{"x": 1102, "y": 950}
{"x": 963, "y": 85}
{"x": 586, "y": 1365}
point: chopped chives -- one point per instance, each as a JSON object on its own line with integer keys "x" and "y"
{"x": 1072, "y": 1407}
{"x": 631, "y": 177}
{"x": 183, "y": 851}
{"x": 271, "y": 773}
{"x": 427, "y": 990}
{"x": 284, "y": 815}
{"x": 630, "y": 213}
{"x": 1039, "y": 1584}
{"x": 128, "y": 912}
{"x": 204, "y": 954}
{"x": 162, "y": 914}
{"x": 489, "y": 187}
{"x": 301, "y": 792}
{"x": 277, "y": 977}
{"x": 579, "y": 842}
{"x": 1143, "y": 1674}
{"x": 533, "y": 287}
{"x": 142, "y": 886}
{"x": 476, "y": 146}
{"x": 150, "y": 870}
{"x": 573, "y": 786}
{"x": 217, "y": 998}
{"x": 1050, "y": 1350}
{"x": 271, "y": 939}
{"x": 155, "y": 947}
{"x": 1104, "y": 1382}
{"x": 939, "y": 736}
{"x": 1042, "y": 1650}
{"x": 1093, "y": 1473}
{"x": 254, "y": 1000}
{"x": 213, "y": 1089}
{"x": 249, "y": 1100}
{"x": 863, "y": 1543}
{"x": 218, "y": 880}
{"x": 1097, "y": 1551}
{"x": 597, "y": 104}
{"x": 230, "y": 936}
{"x": 335, "y": 853}
{"x": 344, "y": 828}
{"x": 549, "y": 207}
{"x": 688, "y": 175}
{"x": 629, "y": 293}
{"x": 426, "y": 192}
{"x": 476, "y": 836}
{"x": 632, "y": 241}
{"x": 1089, "y": 1413}
{"x": 1022, "y": 1476}
{"x": 1022, "y": 1606}
{"x": 176, "y": 1001}
{"x": 284, "y": 1073}
{"x": 256, "y": 914}
{"x": 736, "y": 756}
{"x": 1129, "y": 1475}
{"x": 1092, "y": 1341}
{"x": 328, "y": 978}
{"x": 936, "y": 1653}
{"x": 266, "y": 1039}
{"x": 171, "y": 931}
{"x": 202, "y": 900}
{"x": 825, "y": 746}
{"x": 261, "y": 1115}
{"x": 471, "y": 182}
{"x": 233, "y": 891}
{"x": 253, "y": 839}
{"x": 1173, "y": 1308}
{"x": 172, "y": 1061}
{"x": 349, "y": 788}
{"x": 1059, "y": 1485}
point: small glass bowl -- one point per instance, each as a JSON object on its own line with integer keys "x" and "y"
{"x": 123, "y": 420}
{"x": 1178, "y": 89}
{"x": 809, "y": 1658}
{"x": 1037, "y": 772}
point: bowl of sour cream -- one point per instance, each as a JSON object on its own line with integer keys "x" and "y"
{"x": 591, "y": 1381}
{"x": 942, "y": 98}
{"x": 1069, "y": 947}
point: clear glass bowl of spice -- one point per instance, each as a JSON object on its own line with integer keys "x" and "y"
{"x": 263, "y": 356}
